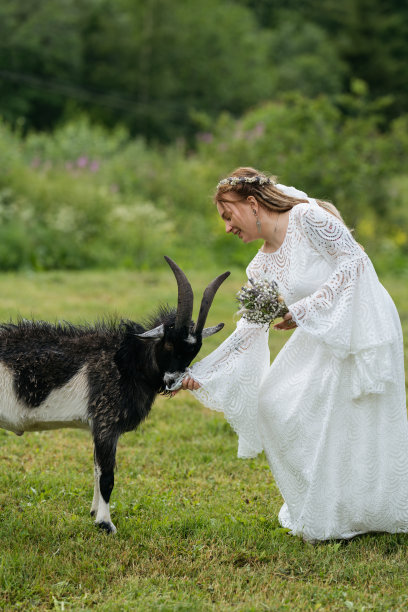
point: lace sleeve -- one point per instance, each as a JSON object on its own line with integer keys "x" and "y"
{"x": 230, "y": 378}
{"x": 351, "y": 312}
{"x": 327, "y": 312}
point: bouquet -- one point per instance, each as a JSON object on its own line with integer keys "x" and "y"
{"x": 261, "y": 301}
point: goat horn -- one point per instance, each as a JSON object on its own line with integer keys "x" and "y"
{"x": 209, "y": 331}
{"x": 157, "y": 332}
{"x": 207, "y": 300}
{"x": 185, "y": 296}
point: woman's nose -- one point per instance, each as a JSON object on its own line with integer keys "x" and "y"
{"x": 228, "y": 227}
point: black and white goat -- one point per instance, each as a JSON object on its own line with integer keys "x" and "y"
{"x": 103, "y": 377}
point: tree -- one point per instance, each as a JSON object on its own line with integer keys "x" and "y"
{"x": 40, "y": 56}
{"x": 175, "y": 60}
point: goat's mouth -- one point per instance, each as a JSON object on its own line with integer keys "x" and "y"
{"x": 172, "y": 380}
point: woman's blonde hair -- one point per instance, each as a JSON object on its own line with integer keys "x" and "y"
{"x": 266, "y": 193}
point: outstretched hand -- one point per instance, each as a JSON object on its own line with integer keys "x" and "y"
{"x": 187, "y": 383}
{"x": 286, "y": 323}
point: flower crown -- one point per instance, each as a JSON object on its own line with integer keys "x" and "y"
{"x": 237, "y": 180}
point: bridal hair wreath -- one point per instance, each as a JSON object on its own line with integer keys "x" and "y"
{"x": 271, "y": 195}
{"x": 237, "y": 180}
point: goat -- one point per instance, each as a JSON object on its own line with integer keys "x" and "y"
{"x": 102, "y": 377}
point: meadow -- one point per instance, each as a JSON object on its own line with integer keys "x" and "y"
{"x": 197, "y": 527}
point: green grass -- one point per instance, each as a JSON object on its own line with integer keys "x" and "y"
{"x": 197, "y": 527}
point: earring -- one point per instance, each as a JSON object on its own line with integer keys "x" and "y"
{"x": 258, "y": 223}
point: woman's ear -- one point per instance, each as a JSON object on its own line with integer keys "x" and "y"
{"x": 252, "y": 201}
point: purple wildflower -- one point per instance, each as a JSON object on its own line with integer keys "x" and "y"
{"x": 82, "y": 161}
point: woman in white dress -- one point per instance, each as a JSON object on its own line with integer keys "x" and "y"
{"x": 330, "y": 411}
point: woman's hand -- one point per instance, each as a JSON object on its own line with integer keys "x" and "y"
{"x": 187, "y": 383}
{"x": 286, "y": 323}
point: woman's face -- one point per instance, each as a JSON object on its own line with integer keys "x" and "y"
{"x": 238, "y": 217}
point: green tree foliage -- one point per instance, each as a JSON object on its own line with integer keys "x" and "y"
{"x": 165, "y": 69}
{"x": 372, "y": 38}
{"x": 174, "y": 59}
{"x": 40, "y": 55}
{"x": 304, "y": 59}
{"x": 88, "y": 197}
{"x": 149, "y": 64}
{"x": 369, "y": 36}
{"x": 311, "y": 92}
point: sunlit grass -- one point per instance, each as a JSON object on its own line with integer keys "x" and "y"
{"x": 197, "y": 527}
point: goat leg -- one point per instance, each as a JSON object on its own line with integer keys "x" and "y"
{"x": 95, "y": 501}
{"x": 104, "y": 464}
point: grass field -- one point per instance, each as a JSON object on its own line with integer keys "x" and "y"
{"x": 197, "y": 527}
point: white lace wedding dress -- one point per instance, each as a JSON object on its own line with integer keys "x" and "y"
{"x": 330, "y": 412}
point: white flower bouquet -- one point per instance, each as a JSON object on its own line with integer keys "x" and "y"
{"x": 261, "y": 301}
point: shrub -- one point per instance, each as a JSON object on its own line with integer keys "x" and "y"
{"x": 88, "y": 197}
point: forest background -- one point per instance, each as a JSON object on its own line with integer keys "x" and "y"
{"x": 119, "y": 118}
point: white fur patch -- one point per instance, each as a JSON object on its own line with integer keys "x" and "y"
{"x": 97, "y": 492}
{"x": 99, "y": 505}
{"x": 64, "y": 407}
{"x": 170, "y": 377}
{"x": 191, "y": 339}
{"x": 103, "y": 514}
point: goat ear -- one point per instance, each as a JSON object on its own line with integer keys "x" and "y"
{"x": 209, "y": 331}
{"x": 153, "y": 334}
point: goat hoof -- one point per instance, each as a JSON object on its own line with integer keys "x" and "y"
{"x": 108, "y": 527}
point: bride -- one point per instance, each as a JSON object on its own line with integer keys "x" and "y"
{"x": 330, "y": 411}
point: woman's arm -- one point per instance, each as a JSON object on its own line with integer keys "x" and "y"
{"x": 327, "y": 313}
{"x": 190, "y": 384}
{"x": 228, "y": 380}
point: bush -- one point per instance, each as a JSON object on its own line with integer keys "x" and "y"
{"x": 88, "y": 197}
